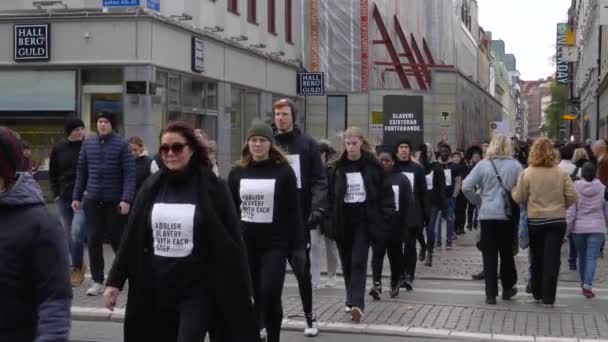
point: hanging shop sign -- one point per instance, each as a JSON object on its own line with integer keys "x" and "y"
{"x": 32, "y": 42}
{"x": 562, "y": 71}
{"x": 198, "y": 55}
{"x": 403, "y": 118}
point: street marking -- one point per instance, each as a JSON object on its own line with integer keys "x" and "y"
{"x": 556, "y": 339}
{"x": 427, "y": 331}
{"x": 501, "y": 337}
{"x": 471, "y": 335}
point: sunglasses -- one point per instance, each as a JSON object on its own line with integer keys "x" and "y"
{"x": 177, "y": 148}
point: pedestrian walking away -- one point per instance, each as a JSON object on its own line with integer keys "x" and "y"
{"x": 587, "y": 220}
{"x": 265, "y": 189}
{"x": 62, "y": 175}
{"x": 183, "y": 253}
{"x": 396, "y": 232}
{"x": 548, "y": 192}
{"x": 106, "y": 172}
{"x": 495, "y": 176}
{"x": 361, "y": 202}
{"x": 452, "y": 189}
{"x": 435, "y": 183}
{"x": 304, "y": 157}
{"x": 34, "y": 271}
{"x": 472, "y": 156}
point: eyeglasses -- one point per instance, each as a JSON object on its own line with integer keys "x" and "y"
{"x": 177, "y": 148}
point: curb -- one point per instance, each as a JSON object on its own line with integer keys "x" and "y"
{"x": 118, "y": 316}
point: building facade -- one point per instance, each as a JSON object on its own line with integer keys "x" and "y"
{"x": 215, "y": 64}
{"x": 537, "y": 95}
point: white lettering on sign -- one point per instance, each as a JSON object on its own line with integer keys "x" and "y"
{"x": 355, "y": 188}
{"x": 31, "y": 42}
{"x": 311, "y": 84}
{"x": 448, "y": 177}
{"x": 403, "y": 122}
{"x": 173, "y": 229}
{"x": 294, "y": 161}
{"x": 429, "y": 181}
{"x": 396, "y": 192}
{"x": 257, "y": 200}
{"x": 410, "y": 176}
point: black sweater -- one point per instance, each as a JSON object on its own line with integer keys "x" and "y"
{"x": 62, "y": 168}
{"x": 402, "y": 190}
{"x": 266, "y": 198}
{"x": 437, "y": 194}
{"x": 142, "y": 170}
{"x": 420, "y": 210}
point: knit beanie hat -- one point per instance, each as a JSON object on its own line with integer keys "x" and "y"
{"x": 110, "y": 117}
{"x": 403, "y": 141}
{"x": 11, "y": 154}
{"x": 71, "y": 124}
{"x": 260, "y": 129}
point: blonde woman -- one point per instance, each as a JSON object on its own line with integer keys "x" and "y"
{"x": 361, "y": 202}
{"x": 579, "y": 159}
{"x": 496, "y": 176}
{"x": 549, "y": 192}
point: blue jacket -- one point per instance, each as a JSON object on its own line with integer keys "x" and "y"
{"x": 35, "y": 289}
{"x": 106, "y": 170}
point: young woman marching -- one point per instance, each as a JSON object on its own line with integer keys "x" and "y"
{"x": 264, "y": 187}
{"x": 361, "y": 202}
{"x": 182, "y": 236}
{"x": 396, "y": 232}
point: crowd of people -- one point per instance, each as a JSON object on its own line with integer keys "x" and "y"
{"x": 203, "y": 254}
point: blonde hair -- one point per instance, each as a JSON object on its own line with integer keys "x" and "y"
{"x": 543, "y": 154}
{"x": 500, "y": 146}
{"x": 580, "y": 154}
{"x": 356, "y": 132}
{"x": 275, "y": 154}
{"x": 430, "y": 153}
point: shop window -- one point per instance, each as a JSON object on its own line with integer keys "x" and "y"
{"x": 174, "y": 116}
{"x": 252, "y": 11}
{"x": 209, "y": 122}
{"x": 288, "y": 24}
{"x": 103, "y": 76}
{"x": 272, "y": 28}
{"x": 193, "y": 94}
{"x": 159, "y": 101}
{"x": 174, "y": 94}
{"x": 233, "y": 6}
{"x": 236, "y": 123}
{"x": 336, "y": 115}
{"x": 211, "y": 102}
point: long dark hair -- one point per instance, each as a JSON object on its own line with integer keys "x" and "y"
{"x": 200, "y": 156}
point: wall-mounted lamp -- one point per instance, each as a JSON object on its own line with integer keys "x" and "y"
{"x": 258, "y": 46}
{"x": 183, "y": 17}
{"x": 239, "y": 38}
{"x": 278, "y": 54}
{"x": 214, "y": 29}
{"x": 40, "y": 4}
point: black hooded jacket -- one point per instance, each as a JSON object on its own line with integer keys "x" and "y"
{"x": 402, "y": 189}
{"x": 312, "y": 182}
{"x": 62, "y": 168}
{"x": 420, "y": 210}
{"x": 380, "y": 199}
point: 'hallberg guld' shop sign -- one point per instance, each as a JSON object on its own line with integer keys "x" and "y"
{"x": 32, "y": 42}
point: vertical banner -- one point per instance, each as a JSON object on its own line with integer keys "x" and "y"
{"x": 364, "y": 45}
{"x": 562, "y": 71}
{"x": 403, "y": 118}
{"x": 314, "y": 35}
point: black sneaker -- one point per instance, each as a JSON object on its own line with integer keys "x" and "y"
{"x": 479, "y": 276}
{"x": 510, "y": 293}
{"x": 375, "y": 291}
{"x": 394, "y": 292}
{"x": 422, "y": 254}
{"x": 406, "y": 284}
{"x": 491, "y": 300}
{"x": 529, "y": 288}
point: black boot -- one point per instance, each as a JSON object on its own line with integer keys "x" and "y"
{"x": 479, "y": 276}
{"x": 429, "y": 260}
{"x": 422, "y": 254}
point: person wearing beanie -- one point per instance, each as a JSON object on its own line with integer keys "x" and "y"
{"x": 586, "y": 224}
{"x": 453, "y": 182}
{"x": 34, "y": 280}
{"x": 265, "y": 190}
{"x": 62, "y": 175}
{"x": 106, "y": 172}
{"x": 304, "y": 155}
{"x": 420, "y": 210}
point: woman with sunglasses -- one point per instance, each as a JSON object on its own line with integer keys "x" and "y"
{"x": 264, "y": 188}
{"x": 182, "y": 236}
{"x": 361, "y": 204}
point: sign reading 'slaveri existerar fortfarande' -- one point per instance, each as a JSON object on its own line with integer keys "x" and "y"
{"x": 32, "y": 42}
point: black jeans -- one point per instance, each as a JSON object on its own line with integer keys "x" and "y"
{"x": 430, "y": 230}
{"x": 104, "y": 219}
{"x": 300, "y": 264}
{"x": 460, "y": 213}
{"x": 187, "y": 321}
{"x": 545, "y": 249}
{"x": 267, "y": 267}
{"x": 394, "y": 246}
{"x": 472, "y": 213}
{"x": 497, "y": 238}
{"x": 354, "y": 252}
{"x": 410, "y": 258}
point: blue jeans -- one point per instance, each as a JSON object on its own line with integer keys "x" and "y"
{"x": 74, "y": 224}
{"x": 588, "y": 247}
{"x": 450, "y": 221}
{"x": 572, "y": 254}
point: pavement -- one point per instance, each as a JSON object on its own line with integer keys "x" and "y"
{"x": 445, "y": 304}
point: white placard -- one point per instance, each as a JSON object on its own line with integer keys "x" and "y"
{"x": 257, "y": 200}
{"x": 355, "y": 188}
{"x": 429, "y": 181}
{"x": 173, "y": 229}
{"x": 448, "y": 177}
{"x": 294, "y": 161}
{"x": 396, "y": 192}
{"x": 410, "y": 176}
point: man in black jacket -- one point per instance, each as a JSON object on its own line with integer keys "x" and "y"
{"x": 420, "y": 210}
{"x": 305, "y": 158}
{"x": 62, "y": 173}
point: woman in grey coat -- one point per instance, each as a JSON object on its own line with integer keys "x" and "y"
{"x": 496, "y": 176}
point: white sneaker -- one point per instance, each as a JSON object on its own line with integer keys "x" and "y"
{"x": 347, "y": 309}
{"x": 316, "y": 286}
{"x": 311, "y": 330}
{"x": 331, "y": 282}
{"x": 263, "y": 335}
{"x": 95, "y": 290}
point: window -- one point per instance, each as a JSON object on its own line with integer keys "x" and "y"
{"x": 252, "y": 11}
{"x": 233, "y": 6}
{"x": 336, "y": 115}
{"x": 288, "y": 32}
{"x": 272, "y": 28}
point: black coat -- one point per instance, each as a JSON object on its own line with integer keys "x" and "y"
{"x": 379, "y": 204}
{"x": 420, "y": 210}
{"x": 142, "y": 170}
{"x": 437, "y": 195}
{"x": 398, "y": 223}
{"x": 313, "y": 191}
{"x": 62, "y": 168}
{"x": 233, "y": 311}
